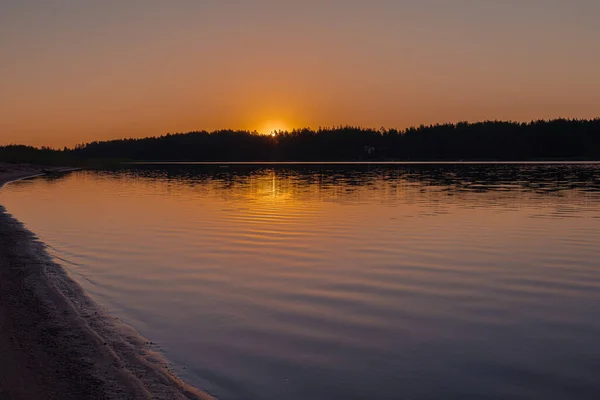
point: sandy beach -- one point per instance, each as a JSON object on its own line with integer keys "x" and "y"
{"x": 55, "y": 342}
{"x": 11, "y": 172}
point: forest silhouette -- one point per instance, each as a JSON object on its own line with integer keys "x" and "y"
{"x": 559, "y": 139}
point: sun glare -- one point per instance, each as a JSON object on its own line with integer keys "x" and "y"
{"x": 272, "y": 126}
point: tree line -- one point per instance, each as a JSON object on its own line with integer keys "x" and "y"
{"x": 566, "y": 139}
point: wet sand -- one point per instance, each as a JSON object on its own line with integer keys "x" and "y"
{"x": 10, "y": 172}
{"x": 55, "y": 342}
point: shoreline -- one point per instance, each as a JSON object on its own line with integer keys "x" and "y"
{"x": 56, "y": 342}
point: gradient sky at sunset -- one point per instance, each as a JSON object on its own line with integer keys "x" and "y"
{"x": 79, "y": 70}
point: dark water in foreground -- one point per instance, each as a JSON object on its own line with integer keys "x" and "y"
{"x": 331, "y": 282}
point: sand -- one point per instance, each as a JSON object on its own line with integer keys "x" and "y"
{"x": 55, "y": 342}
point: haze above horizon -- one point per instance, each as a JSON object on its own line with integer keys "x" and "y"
{"x": 77, "y": 71}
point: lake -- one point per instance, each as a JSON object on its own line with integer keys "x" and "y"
{"x": 342, "y": 282}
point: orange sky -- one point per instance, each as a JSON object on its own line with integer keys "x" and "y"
{"x": 74, "y": 71}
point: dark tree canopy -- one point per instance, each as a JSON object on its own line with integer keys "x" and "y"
{"x": 490, "y": 140}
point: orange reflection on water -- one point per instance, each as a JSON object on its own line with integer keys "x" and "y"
{"x": 305, "y": 271}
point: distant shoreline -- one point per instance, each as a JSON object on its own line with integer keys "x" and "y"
{"x": 486, "y": 141}
{"x": 57, "y": 343}
{"x": 543, "y": 162}
{"x": 17, "y": 172}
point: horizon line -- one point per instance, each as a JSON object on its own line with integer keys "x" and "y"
{"x": 308, "y": 128}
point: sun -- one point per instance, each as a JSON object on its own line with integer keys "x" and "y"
{"x": 270, "y": 127}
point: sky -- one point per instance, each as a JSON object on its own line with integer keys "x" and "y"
{"x": 73, "y": 71}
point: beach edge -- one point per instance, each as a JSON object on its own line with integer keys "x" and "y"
{"x": 59, "y": 343}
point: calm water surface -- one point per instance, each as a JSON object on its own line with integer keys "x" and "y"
{"x": 331, "y": 282}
